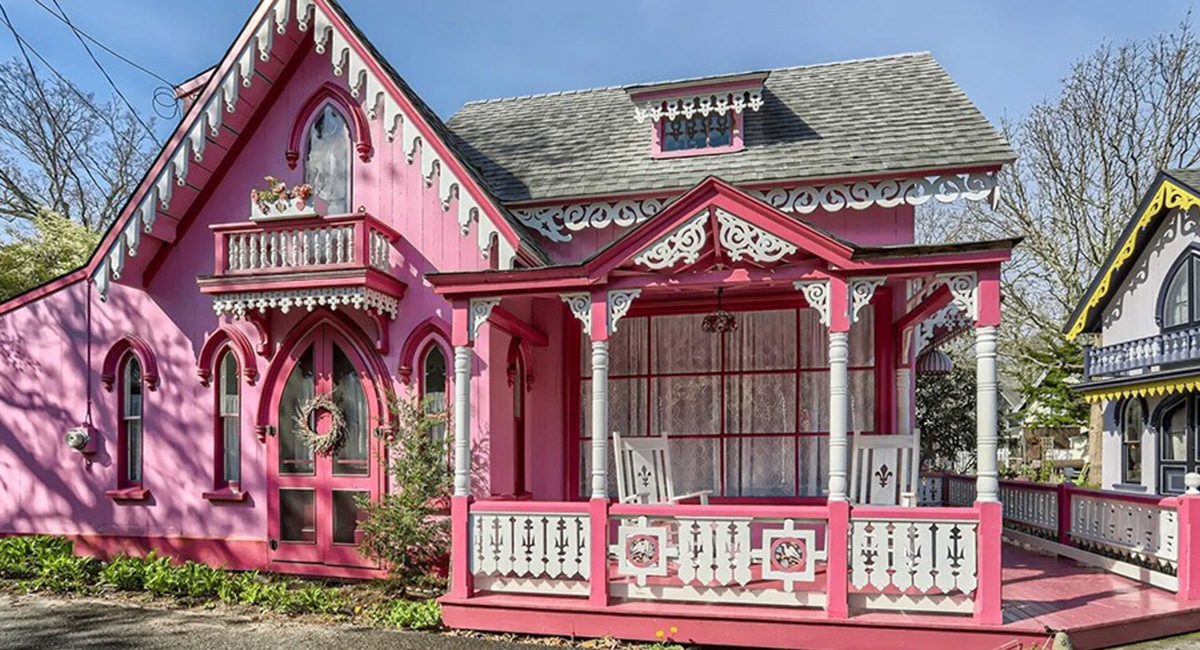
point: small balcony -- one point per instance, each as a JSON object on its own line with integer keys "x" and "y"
{"x": 307, "y": 261}
{"x": 1159, "y": 352}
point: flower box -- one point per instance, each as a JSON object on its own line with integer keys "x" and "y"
{"x": 278, "y": 201}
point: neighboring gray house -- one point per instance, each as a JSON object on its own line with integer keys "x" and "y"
{"x": 1145, "y": 306}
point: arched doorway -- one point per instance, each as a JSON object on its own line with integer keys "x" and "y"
{"x": 312, "y": 500}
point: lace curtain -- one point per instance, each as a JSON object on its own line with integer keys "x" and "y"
{"x": 747, "y": 412}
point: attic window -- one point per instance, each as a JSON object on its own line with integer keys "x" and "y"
{"x": 696, "y": 118}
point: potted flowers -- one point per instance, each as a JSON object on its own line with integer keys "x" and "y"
{"x": 278, "y": 201}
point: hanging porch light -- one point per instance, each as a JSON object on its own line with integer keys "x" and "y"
{"x": 934, "y": 362}
{"x": 719, "y": 321}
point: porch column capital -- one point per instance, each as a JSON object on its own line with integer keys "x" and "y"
{"x": 964, "y": 291}
{"x": 831, "y": 298}
{"x": 600, "y": 310}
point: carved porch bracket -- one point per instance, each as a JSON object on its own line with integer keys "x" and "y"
{"x": 481, "y": 309}
{"x": 580, "y": 305}
{"x": 816, "y": 292}
{"x": 619, "y": 302}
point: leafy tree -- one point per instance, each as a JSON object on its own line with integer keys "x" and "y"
{"x": 1051, "y": 401}
{"x": 407, "y": 529}
{"x": 1086, "y": 157}
{"x": 48, "y": 246}
{"x": 945, "y": 406}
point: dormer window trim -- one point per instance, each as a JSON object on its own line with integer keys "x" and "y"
{"x": 675, "y": 104}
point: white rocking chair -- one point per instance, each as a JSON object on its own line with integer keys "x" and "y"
{"x": 885, "y": 470}
{"x": 644, "y": 471}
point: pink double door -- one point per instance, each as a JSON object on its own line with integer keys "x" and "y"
{"x": 313, "y": 499}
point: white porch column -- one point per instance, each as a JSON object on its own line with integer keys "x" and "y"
{"x": 903, "y": 401}
{"x": 986, "y": 416}
{"x": 462, "y": 421}
{"x": 839, "y": 411}
{"x": 599, "y": 419}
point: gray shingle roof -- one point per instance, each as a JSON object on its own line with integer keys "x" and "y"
{"x": 1189, "y": 177}
{"x": 872, "y": 116}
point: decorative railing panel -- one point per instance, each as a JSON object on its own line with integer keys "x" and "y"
{"x": 1161, "y": 349}
{"x": 354, "y": 241}
{"x": 531, "y": 551}
{"x": 929, "y": 491}
{"x": 914, "y": 562}
{"x": 960, "y": 490}
{"x": 1143, "y": 532}
{"x": 749, "y": 555}
{"x": 1030, "y": 507}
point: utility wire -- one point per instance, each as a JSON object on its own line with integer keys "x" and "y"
{"x": 21, "y": 44}
{"x": 80, "y": 32}
{"x": 104, "y": 72}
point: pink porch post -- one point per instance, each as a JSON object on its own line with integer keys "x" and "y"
{"x": 837, "y": 564}
{"x": 986, "y": 294}
{"x": 1188, "y": 571}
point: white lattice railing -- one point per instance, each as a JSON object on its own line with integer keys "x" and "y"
{"x": 926, "y": 562}
{"x": 1142, "y": 531}
{"x": 533, "y": 552}
{"x": 354, "y": 241}
{"x": 1030, "y": 506}
{"x": 714, "y": 554}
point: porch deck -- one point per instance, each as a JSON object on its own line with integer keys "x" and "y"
{"x": 1041, "y": 593}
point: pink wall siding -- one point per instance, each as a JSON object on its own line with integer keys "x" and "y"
{"x": 48, "y": 488}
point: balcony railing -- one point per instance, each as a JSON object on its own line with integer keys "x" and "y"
{"x": 1142, "y": 354}
{"x": 354, "y": 241}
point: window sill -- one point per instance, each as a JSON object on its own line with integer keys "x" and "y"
{"x": 226, "y": 495}
{"x": 128, "y": 494}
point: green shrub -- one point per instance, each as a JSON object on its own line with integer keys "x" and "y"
{"x": 405, "y": 530}
{"x": 126, "y": 573}
{"x": 414, "y": 615}
{"x": 64, "y": 574}
{"x": 24, "y": 556}
{"x": 312, "y": 599}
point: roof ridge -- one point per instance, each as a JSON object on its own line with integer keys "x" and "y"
{"x": 576, "y": 91}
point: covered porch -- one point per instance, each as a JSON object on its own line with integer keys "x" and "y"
{"x": 759, "y": 418}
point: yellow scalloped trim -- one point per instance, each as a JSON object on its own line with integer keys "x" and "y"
{"x": 1169, "y": 196}
{"x": 1163, "y": 387}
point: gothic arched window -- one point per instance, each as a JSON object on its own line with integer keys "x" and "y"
{"x": 327, "y": 159}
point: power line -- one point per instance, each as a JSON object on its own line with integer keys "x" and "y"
{"x": 104, "y": 72}
{"x": 84, "y": 34}
{"x": 21, "y": 44}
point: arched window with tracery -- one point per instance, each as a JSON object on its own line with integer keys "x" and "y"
{"x": 1179, "y": 302}
{"x": 327, "y": 164}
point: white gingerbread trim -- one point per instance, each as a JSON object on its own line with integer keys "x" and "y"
{"x": 816, "y": 292}
{"x": 580, "y": 305}
{"x": 558, "y": 222}
{"x": 682, "y": 244}
{"x": 480, "y": 311}
{"x": 861, "y": 292}
{"x": 619, "y": 302}
{"x": 238, "y": 304}
{"x": 692, "y": 104}
{"x": 364, "y": 85}
{"x": 740, "y": 239}
{"x": 964, "y": 289}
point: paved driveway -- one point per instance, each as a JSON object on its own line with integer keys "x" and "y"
{"x": 35, "y": 623}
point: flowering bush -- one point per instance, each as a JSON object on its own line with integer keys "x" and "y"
{"x": 280, "y": 197}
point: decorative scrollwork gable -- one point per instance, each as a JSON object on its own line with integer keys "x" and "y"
{"x": 680, "y": 245}
{"x": 740, "y": 239}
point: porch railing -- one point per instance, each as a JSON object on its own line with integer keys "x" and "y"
{"x": 1160, "y": 349}
{"x": 330, "y": 243}
{"x": 832, "y": 557}
{"x": 1133, "y": 535}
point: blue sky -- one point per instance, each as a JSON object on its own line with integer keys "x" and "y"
{"x": 1005, "y": 55}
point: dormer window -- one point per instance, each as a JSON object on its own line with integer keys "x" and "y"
{"x": 698, "y": 117}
